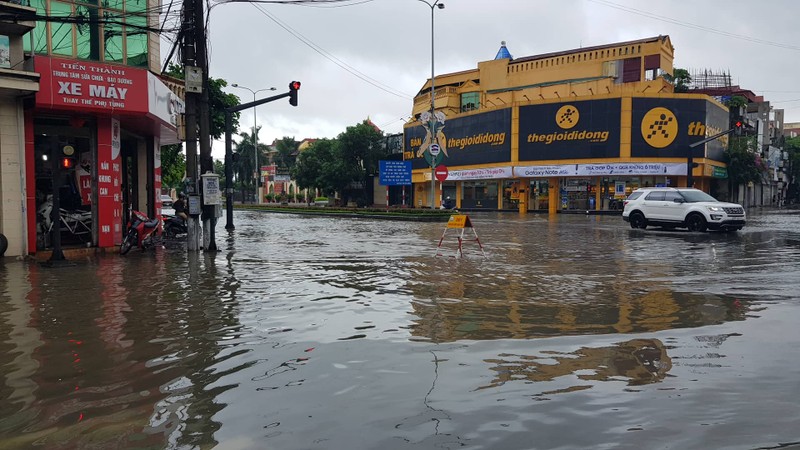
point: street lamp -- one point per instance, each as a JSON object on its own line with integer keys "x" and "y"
{"x": 433, "y": 6}
{"x": 255, "y": 135}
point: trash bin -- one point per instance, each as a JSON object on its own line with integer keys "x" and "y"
{"x": 591, "y": 202}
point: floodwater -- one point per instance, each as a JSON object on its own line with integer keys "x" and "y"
{"x": 330, "y": 333}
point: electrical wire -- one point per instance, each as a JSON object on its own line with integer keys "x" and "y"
{"x": 327, "y": 55}
{"x": 692, "y": 25}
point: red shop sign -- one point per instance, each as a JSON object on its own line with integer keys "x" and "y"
{"x": 85, "y": 85}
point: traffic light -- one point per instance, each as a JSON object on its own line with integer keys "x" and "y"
{"x": 737, "y": 120}
{"x": 67, "y": 163}
{"x": 294, "y": 86}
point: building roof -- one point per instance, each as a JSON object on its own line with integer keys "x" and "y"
{"x": 503, "y": 53}
{"x": 591, "y": 49}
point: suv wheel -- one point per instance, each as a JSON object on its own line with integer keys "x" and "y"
{"x": 696, "y": 222}
{"x": 637, "y": 220}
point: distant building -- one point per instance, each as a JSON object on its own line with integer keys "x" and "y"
{"x": 577, "y": 129}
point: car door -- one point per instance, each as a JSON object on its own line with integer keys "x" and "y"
{"x": 674, "y": 207}
{"x": 653, "y": 205}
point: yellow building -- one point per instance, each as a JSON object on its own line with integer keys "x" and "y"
{"x": 577, "y": 129}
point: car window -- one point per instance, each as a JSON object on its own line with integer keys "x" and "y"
{"x": 694, "y": 195}
{"x": 672, "y": 196}
{"x": 658, "y": 195}
{"x": 635, "y": 195}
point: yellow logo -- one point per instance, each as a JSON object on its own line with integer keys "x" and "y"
{"x": 567, "y": 116}
{"x": 659, "y": 127}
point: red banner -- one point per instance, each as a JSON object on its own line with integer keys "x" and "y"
{"x": 86, "y": 85}
{"x": 109, "y": 177}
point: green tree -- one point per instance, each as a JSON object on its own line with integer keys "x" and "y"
{"x": 361, "y": 147}
{"x": 286, "y": 152}
{"x": 793, "y": 169}
{"x": 173, "y": 157}
{"x": 737, "y": 101}
{"x": 743, "y": 167}
{"x": 319, "y": 167}
{"x": 244, "y": 161}
{"x": 680, "y": 79}
{"x": 173, "y": 165}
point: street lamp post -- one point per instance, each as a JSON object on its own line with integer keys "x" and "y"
{"x": 255, "y": 136}
{"x": 433, "y": 6}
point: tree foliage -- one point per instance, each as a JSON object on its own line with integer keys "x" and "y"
{"x": 217, "y": 102}
{"x": 680, "y": 79}
{"x": 173, "y": 165}
{"x": 286, "y": 152}
{"x": 793, "y": 169}
{"x": 173, "y": 157}
{"x": 333, "y": 165}
{"x": 743, "y": 166}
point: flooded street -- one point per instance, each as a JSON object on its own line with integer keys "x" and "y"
{"x": 327, "y": 333}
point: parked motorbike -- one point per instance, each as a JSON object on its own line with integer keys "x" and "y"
{"x": 174, "y": 226}
{"x": 141, "y": 232}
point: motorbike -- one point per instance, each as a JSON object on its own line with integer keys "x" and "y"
{"x": 141, "y": 232}
{"x": 174, "y": 226}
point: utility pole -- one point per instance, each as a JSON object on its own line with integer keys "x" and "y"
{"x": 191, "y": 25}
{"x": 206, "y": 161}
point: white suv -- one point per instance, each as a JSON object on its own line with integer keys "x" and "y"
{"x": 681, "y": 207}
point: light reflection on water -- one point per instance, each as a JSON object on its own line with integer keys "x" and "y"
{"x": 336, "y": 333}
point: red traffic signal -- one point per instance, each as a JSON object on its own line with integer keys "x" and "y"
{"x": 294, "y": 86}
{"x": 67, "y": 163}
{"x": 738, "y": 127}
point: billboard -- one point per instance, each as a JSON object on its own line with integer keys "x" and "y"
{"x": 475, "y": 139}
{"x": 573, "y": 130}
{"x": 665, "y": 127}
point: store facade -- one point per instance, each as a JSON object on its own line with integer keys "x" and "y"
{"x": 573, "y": 130}
{"x": 581, "y": 154}
{"x": 111, "y": 121}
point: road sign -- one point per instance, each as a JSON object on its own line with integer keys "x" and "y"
{"x": 434, "y": 149}
{"x": 394, "y": 173}
{"x": 441, "y": 172}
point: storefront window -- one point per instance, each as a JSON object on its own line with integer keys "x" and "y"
{"x": 479, "y": 194}
{"x": 88, "y": 34}
{"x": 40, "y": 32}
{"x": 137, "y": 41}
{"x": 116, "y": 31}
{"x": 112, "y": 35}
{"x": 540, "y": 195}
{"x": 511, "y": 194}
{"x": 61, "y": 34}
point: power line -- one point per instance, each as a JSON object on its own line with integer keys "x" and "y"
{"x": 327, "y": 55}
{"x": 692, "y": 25}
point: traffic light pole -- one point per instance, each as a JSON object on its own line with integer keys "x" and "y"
{"x": 229, "y": 151}
{"x": 690, "y": 157}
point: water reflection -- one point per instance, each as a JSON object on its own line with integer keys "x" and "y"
{"x": 492, "y": 318}
{"x": 133, "y": 357}
{"x": 638, "y": 361}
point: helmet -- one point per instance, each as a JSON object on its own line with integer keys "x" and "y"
{"x": 182, "y": 195}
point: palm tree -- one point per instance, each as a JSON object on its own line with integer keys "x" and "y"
{"x": 244, "y": 165}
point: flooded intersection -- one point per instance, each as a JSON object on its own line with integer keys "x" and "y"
{"x": 335, "y": 333}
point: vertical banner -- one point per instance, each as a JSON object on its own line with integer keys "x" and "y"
{"x": 84, "y": 174}
{"x": 109, "y": 176}
{"x": 157, "y": 174}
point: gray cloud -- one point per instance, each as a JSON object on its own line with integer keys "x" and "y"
{"x": 389, "y": 41}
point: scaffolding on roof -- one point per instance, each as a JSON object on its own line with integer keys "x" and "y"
{"x": 708, "y": 79}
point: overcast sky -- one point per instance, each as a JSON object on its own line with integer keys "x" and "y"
{"x": 333, "y": 50}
